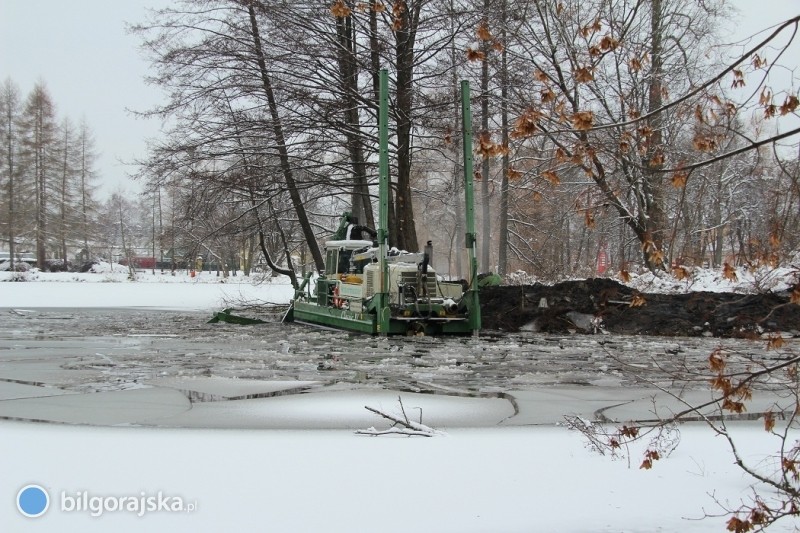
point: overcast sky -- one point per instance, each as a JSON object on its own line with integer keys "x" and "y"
{"x": 93, "y": 68}
{"x": 90, "y": 65}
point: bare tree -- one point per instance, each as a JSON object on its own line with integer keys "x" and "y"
{"x": 9, "y": 119}
{"x": 39, "y": 143}
{"x": 86, "y": 185}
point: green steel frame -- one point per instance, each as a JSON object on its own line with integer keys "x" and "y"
{"x": 376, "y": 318}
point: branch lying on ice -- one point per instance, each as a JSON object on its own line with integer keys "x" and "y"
{"x": 409, "y": 427}
{"x": 398, "y": 431}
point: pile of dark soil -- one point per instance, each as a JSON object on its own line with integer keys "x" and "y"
{"x": 586, "y": 306}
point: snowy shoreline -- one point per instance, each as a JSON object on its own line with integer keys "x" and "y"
{"x": 491, "y": 478}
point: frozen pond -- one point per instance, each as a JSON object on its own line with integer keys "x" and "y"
{"x": 48, "y": 357}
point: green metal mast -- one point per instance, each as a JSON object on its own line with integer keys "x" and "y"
{"x": 383, "y": 209}
{"x": 473, "y": 303}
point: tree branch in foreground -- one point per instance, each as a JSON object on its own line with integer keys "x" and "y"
{"x": 407, "y": 427}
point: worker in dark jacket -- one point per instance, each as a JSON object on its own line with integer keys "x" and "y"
{"x": 350, "y": 230}
{"x": 355, "y": 232}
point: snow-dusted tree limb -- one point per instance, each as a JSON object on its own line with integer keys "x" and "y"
{"x": 733, "y": 377}
{"x": 396, "y": 431}
{"x": 408, "y": 427}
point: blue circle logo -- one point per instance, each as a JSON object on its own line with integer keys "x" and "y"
{"x": 33, "y": 501}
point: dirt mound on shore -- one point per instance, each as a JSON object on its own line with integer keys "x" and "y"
{"x": 592, "y": 305}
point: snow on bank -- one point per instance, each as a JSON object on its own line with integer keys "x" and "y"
{"x": 535, "y": 478}
{"x": 741, "y": 280}
{"x": 205, "y": 291}
{"x": 498, "y": 480}
{"x": 208, "y": 290}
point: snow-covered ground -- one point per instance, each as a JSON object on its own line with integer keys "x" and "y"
{"x": 741, "y": 279}
{"x": 110, "y": 287}
{"x": 199, "y": 438}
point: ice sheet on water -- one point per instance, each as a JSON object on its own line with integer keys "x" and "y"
{"x": 343, "y": 410}
{"x": 101, "y": 408}
{"x": 230, "y": 388}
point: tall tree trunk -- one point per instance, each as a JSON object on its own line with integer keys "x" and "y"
{"x": 405, "y": 37}
{"x": 283, "y": 152}
{"x": 486, "y": 222}
{"x": 654, "y": 220}
{"x": 125, "y": 251}
{"x": 348, "y": 67}
{"x": 502, "y": 252}
{"x": 41, "y": 188}
{"x": 458, "y": 170}
{"x": 10, "y": 98}
{"x": 62, "y": 231}
{"x": 375, "y": 68}
{"x": 84, "y": 191}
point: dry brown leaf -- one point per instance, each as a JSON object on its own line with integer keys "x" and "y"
{"x": 588, "y": 219}
{"x": 765, "y": 97}
{"x": 737, "y": 525}
{"x": 608, "y": 43}
{"x": 775, "y": 342}
{"x": 548, "y": 95}
{"x": 679, "y": 179}
{"x": 704, "y": 143}
{"x": 699, "y": 114}
{"x": 583, "y": 120}
{"x": 475, "y": 55}
{"x": 769, "y": 421}
{"x": 733, "y": 406}
{"x": 738, "y": 79}
{"x": 397, "y": 24}
{"x": 658, "y": 159}
{"x": 527, "y": 124}
{"x": 340, "y": 10}
{"x": 637, "y": 301}
{"x": 729, "y": 273}
{"x": 723, "y": 384}
{"x": 583, "y": 75}
{"x": 483, "y": 32}
{"x": 680, "y": 273}
{"x": 716, "y": 361}
{"x": 789, "y": 105}
{"x": 656, "y": 257}
{"x": 551, "y": 176}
